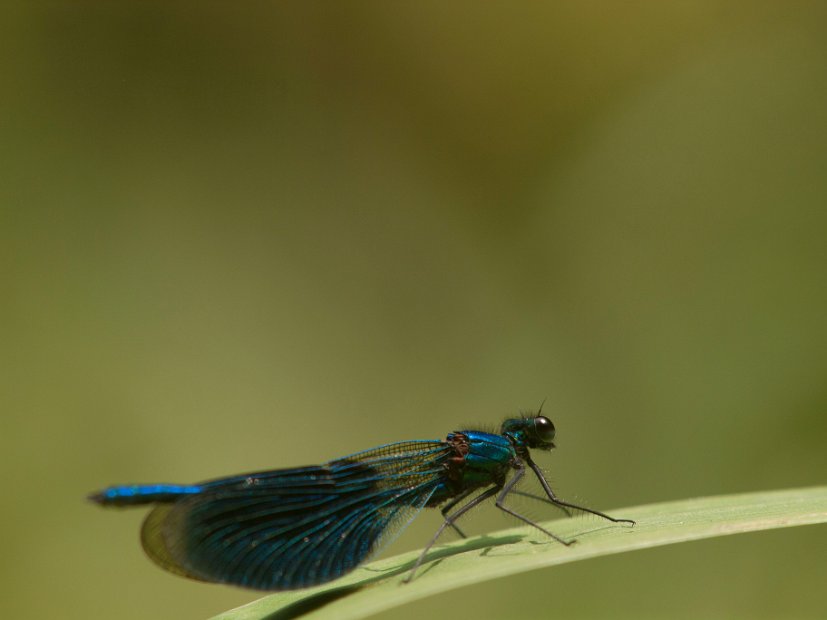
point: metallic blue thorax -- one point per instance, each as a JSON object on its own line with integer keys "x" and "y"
{"x": 480, "y": 459}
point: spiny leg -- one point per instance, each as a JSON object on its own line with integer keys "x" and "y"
{"x": 559, "y": 502}
{"x": 447, "y": 508}
{"x": 545, "y": 500}
{"x": 449, "y": 522}
{"x": 508, "y": 488}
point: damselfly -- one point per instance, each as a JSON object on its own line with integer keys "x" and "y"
{"x": 295, "y": 528}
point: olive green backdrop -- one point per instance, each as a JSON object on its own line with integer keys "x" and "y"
{"x": 238, "y": 236}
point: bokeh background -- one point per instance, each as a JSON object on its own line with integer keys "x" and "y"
{"x": 238, "y": 236}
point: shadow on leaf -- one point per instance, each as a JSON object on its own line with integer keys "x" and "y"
{"x": 317, "y": 601}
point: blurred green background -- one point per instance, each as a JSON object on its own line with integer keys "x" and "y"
{"x": 260, "y": 235}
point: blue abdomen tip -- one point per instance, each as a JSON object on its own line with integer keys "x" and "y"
{"x": 136, "y": 494}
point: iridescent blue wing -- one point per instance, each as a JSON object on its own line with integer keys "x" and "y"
{"x": 295, "y": 528}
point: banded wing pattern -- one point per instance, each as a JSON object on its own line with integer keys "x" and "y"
{"x": 295, "y": 528}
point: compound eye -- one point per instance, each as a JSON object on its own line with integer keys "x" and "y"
{"x": 544, "y": 429}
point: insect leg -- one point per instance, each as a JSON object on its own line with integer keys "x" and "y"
{"x": 545, "y": 500}
{"x": 559, "y": 502}
{"x": 507, "y": 488}
{"x": 449, "y": 522}
{"x": 447, "y": 508}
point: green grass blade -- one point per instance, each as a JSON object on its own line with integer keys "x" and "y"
{"x": 377, "y": 586}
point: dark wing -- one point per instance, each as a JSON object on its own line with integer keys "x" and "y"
{"x": 295, "y": 528}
